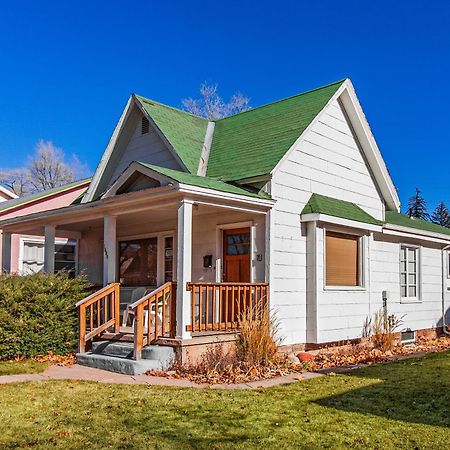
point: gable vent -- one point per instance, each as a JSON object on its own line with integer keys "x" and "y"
{"x": 145, "y": 125}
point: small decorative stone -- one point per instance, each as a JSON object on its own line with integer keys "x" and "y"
{"x": 303, "y": 357}
{"x": 293, "y": 359}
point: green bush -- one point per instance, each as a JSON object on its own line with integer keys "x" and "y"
{"x": 38, "y": 315}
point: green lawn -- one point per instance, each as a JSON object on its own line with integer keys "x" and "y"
{"x": 18, "y": 367}
{"x": 396, "y": 405}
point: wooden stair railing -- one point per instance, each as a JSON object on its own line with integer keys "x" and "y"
{"x": 156, "y": 311}
{"x": 218, "y": 306}
{"x": 98, "y": 312}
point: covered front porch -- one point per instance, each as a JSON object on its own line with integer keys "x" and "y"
{"x": 164, "y": 268}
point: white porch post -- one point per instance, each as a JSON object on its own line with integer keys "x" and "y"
{"x": 49, "y": 248}
{"x": 109, "y": 249}
{"x": 184, "y": 268}
{"x": 6, "y": 252}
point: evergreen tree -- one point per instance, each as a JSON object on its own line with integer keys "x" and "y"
{"x": 441, "y": 215}
{"x": 417, "y": 207}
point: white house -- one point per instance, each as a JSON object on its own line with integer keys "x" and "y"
{"x": 290, "y": 202}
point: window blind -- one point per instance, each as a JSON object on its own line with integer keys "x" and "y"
{"x": 342, "y": 259}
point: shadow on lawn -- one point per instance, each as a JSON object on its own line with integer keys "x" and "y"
{"x": 415, "y": 390}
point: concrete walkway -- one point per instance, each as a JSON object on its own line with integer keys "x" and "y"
{"x": 82, "y": 373}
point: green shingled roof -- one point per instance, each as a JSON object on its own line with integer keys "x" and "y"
{"x": 402, "y": 220}
{"x": 204, "y": 182}
{"x": 320, "y": 204}
{"x": 22, "y": 201}
{"x": 253, "y": 142}
{"x": 184, "y": 131}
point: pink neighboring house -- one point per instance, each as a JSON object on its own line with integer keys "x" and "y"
{"x": 27, "y": 252}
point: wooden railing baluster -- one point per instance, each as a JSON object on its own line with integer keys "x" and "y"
{"x": 160, "y": 322}
{"x": 224, "y": 302}
{"x": 90, "y": 311}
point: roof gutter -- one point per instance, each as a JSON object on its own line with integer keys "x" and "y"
{"x": 392, "y": 229}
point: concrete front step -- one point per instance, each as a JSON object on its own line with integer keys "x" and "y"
{"x": 162, "y": 353}
{"x": 118, "y": 365}
{"x": 118, "y": 357}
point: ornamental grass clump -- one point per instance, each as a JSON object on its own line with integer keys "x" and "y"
{"x": 253, "y": 357}
{"x": 383, "y": 329}
{"x": 258, "y": 338}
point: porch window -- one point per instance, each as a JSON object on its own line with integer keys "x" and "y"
{"x": 33, "y": 257}
{"x": 342, "y": 259}
{"x": 138, "y": 262}
{"x": 409, "y": 258}
{"x": 168, "y": 259}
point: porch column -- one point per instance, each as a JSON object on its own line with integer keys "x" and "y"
{"x": 49, "y": 248}
{"x": 184, "y": 268}
{"x": 109, "y": 249}
{"x": 6, "y": 252}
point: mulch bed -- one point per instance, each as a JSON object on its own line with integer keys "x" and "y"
{"x": 324, "y": 359}
{"x": 363, "y": 354}
{"x": 233, "y": 374}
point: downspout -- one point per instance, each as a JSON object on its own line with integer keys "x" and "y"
{"x": 444, "y": 288}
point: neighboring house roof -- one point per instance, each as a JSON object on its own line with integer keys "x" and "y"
{"x": 40, "y": 196}
{"x": 321, "y": 204}
{"x": 6, "y": 193}
{"x": 184, "y": 131}
{"x": 252, "y": 143}
{"x": 402, "y": 220}
{"x": 204, "y": 182}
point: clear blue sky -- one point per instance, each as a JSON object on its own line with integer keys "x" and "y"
{"x": 67, "y": 69}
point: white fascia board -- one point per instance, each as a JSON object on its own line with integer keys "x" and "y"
{"x": 188, "y": 189}
{"x": 86, "y": 211}
{"x": 369, "y": 145}
{"x": 316, "y": 217}
{"x": 396, "y": 230}
{"x": 9, "y": 193}
{"x": 160, "y": 134}
{"x": 108, "y": 152}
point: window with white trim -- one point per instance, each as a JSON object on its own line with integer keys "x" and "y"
{"x": 409, "y": 272}
{"x": 448, "y": 264}
{"x": 342, "y": 259}
{"x": 33, "y": 257}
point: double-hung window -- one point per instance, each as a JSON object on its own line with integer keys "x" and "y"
{"x": 409, "y": 272}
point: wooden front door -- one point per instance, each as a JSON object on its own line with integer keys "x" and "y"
{"x": 236, "y": 268}
{"x": 236, "y": 255}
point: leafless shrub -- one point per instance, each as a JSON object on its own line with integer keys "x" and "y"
{"x": 383, "y": 329}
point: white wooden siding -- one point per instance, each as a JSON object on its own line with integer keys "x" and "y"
{"x": 148, "y": 148}
{"x": 326, "y": 161}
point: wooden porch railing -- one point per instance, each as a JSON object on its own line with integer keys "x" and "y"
{"x": 155, "y": 316}
{"x": 218, "y": 306}
{"x": 98, "y": 312}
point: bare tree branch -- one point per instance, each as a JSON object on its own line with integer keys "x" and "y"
{"x": 47, "y": 168}
{"x": 17, "y": 180}
{"x": 211, "y": 105}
